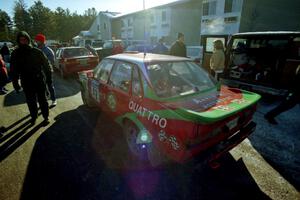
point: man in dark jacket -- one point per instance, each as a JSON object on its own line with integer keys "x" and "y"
{"x": 289, "y": 102}
{"x": 33, "y": 68}
{"x": 178, "y": 48}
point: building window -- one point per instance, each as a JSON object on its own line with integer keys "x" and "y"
{"x": 165, "y": 25}
{"x": 230, "y": 19}
{"x": 209, "y": 8}
{"x": 104, "y": 26}
{"x": 152, "y": 18}
{"x": 232, "y": 6}
{"x": 164, "y": 16}
{"x": 98, "y": 27}
{"x": 129, "y": 21}
{"x": 228, "y": 6}
{"x": 205, "y": 9}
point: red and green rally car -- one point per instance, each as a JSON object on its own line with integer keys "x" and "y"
{"x": 169, "y": 107}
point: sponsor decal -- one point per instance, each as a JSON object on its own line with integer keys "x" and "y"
{"x": 111, "y": 101}
{"x": 144, "y": 112}
{"x": 239, "y": 101}
{"x": 163, "y": 137}
{"x": 223, "y": 108}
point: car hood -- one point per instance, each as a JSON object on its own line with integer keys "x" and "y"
{"x": 214, "y": 105}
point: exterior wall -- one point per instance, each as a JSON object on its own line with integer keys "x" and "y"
{"x": 101, "y": 27}
{"x": 163, "y": 21}
{"x": 94, "y": 28}
{"x": 219, "y": 22}
{"x": 160, "y": 23}
{"x": 275, "y": 15}
{"x": 185, "y": 18}
{"x": 127, "y": 27}
{"x": 116, "y": 26}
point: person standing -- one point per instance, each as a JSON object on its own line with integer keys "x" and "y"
{"x": 3, "y": 77}
{"x": 5, "y": 52}
{"x": 217, "y": 60}
{"x": 289, "y": 102}
{"x": 40, "y": 39}
{"x": 178, "y": 48}
{"x": 160, "y": 48}
{"x": 33, "y": 68}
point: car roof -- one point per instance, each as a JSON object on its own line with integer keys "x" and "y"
{"x": 267, "y": 33}
{"x": 140, "y": 58}
{"x": 72, "y": 48}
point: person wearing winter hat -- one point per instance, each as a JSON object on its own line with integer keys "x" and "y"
{"x": 40, "y": 39}
{"x": 33, "y": 68}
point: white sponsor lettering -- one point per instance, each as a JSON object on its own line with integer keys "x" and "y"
{"x": 144, "y": 112}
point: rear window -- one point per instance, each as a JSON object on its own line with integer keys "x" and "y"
{"x": 172, "y": 79}
{"x": 76, "y": 52}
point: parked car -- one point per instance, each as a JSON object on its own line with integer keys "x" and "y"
{"x": 110, "y": 47}
{"x": 263, "y": 62}
{"x": 70, "y": 60}
{"x": 170, "y": 108}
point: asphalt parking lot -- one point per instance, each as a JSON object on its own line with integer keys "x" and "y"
{"x": 80, "y": 155}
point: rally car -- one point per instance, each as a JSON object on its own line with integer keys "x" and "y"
{"x": 169, "y": 108}
{"x": 70, "y": 60}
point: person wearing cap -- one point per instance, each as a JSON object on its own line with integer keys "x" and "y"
{"x": 33, "y": 68}
{"x": 178, "y": 48}
{"x": 40, "y": 39}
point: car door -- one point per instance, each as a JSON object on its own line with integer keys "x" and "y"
{"x": 118, "y": 90}
{"x": 98, "y": 83}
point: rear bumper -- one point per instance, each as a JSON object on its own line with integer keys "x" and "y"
{"x": 225, "y": 146}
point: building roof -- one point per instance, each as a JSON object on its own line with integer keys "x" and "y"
{"x": 109, "y": 14}
{"x": 85, "y": 34}
{"x": 155, "y": 7}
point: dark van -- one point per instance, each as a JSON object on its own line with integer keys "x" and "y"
{"x": 264, "y": 62}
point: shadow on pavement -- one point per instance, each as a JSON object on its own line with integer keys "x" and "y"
{"x": 12, "y": 140}
{"x": 63, "y": 88}
{"x": 80, "y": 157}
{"x": 13, "y": 98}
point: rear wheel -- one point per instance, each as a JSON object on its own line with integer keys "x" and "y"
{"x": 142, "y": 152}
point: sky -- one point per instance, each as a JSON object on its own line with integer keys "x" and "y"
{"x": 123, "y": 6}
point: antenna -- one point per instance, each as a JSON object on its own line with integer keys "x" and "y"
{"x": 144, "y": 28}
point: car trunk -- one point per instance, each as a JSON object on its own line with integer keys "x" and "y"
{"x": 217, "y": 115}
{"x": 80, "y": 63}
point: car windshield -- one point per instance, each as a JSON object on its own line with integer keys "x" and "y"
{"x": 172, "y": 79}
{"x": 76, "y": 52}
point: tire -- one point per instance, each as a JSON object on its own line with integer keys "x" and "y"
{"x": 141, "y": 152}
